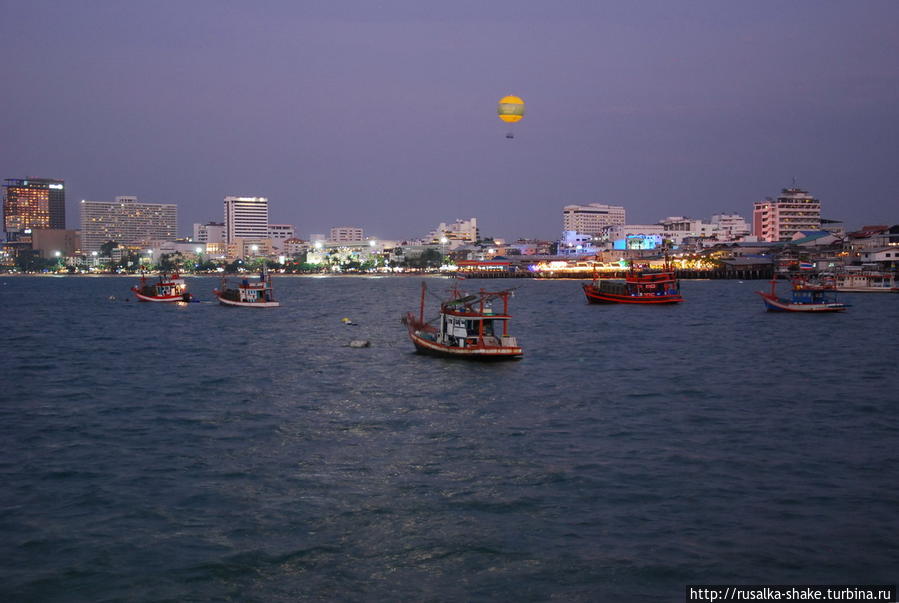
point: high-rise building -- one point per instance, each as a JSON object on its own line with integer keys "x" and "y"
{"x": 346, "y": 234}
{"x": 246, "y": 218}
{"x": 591, "y": 219}
{"x": 126, "y": 222}
{"x": 33, "y": 203}
{"x": 780, "y": 219}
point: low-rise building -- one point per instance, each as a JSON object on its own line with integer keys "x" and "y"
{"x": 346, "y": 234}
{"x": 48, "y": 242}
{"x": 456, "y": 234}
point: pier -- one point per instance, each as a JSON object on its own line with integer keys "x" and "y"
{"x": 743, "y": 274}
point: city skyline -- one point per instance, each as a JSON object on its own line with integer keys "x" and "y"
{"x": 385, "y": 117}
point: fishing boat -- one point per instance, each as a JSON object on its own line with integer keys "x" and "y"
{"x": 865, "y": 281}
{"x": 248, "y": 294}
{"x": 806, "y": 297}
{"x": 467, "y": 326}
{"x": 166, "y": 289}
{"x": 640, "y": 286}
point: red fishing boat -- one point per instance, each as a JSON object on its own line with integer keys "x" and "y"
{"x": 807, "y": 297}
{"x": 640, "y": 286}
{"x": 466, "y": 327}
{"x": 166, "y": 289}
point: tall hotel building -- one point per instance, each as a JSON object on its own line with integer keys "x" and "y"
{"x": 780, "y": 219}
{"x": 126, "y": 222}
{"x": 33, "y": 203}
{"x": 246, "y": 218}
{"x": 591, "y": 219}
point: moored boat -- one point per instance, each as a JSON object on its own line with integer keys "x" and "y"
{"x": 466, "y": 327}
{"x": 640, "y": 286}
{"x": 806, "y": 297}
{"x": 166, "y": 289}
{"x": 248, "y": 294}
{"x": 865, "y": 281}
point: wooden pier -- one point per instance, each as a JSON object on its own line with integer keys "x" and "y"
{"x": 743, "y": 274}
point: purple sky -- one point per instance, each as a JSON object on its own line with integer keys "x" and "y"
{"x": 383, "y": 114}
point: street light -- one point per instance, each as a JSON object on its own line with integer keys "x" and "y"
{"x": 443, "y": 242}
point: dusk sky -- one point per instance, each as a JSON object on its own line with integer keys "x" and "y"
{"x": 382, "y": 114}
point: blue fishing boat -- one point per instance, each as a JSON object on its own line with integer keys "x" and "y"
{"x": 806, "y": 297}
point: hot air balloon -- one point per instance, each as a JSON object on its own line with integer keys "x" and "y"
{"x": 510, "y": 109}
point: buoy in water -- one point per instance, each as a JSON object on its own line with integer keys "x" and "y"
{"x": 347, "y": 321}
{"x": 360, "y": 343}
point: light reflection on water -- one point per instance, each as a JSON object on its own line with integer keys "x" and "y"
{"x": 196, "y": 451}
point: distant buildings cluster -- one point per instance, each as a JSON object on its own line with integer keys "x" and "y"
{"x": 34, "y": 223}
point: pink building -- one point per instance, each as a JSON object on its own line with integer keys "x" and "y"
{"x": 778, "y": 220}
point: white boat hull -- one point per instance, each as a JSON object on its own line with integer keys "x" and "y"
{"x": 146, "y": 298}
{"x": 427, "y": 346}
{"x": 268, "y": 304}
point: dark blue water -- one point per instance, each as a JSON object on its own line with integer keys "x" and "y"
{"x": 195, "y": 452}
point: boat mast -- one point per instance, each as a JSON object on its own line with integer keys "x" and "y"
{"x": 506, "y": 309}
{"x": 421, "y": 307}
{"x": 481, "y": 322}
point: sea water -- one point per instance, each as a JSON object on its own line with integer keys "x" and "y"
{"x": 196, "y": 452}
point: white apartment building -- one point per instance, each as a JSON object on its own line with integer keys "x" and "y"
{"x": 591, "y": 219}
{"x": 294, "y": 246}
{"x": 279, "y": 233}
{"x": 456, "y": 234}
{"x": 730, "y": 227}
{"x": 792, "y": 211}
{"x": 211, "y": 232}
{"x": 246, "y": 218}
{"x": 346, "y": 234}
{"x": 727, "y": 227}
{"x": 126, "y": 222}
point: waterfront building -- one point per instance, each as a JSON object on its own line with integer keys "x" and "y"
{"x": 240, "y": 248}
{"x": 346, "y": 234}
{"x": 294, "y": 246}
{"x": 677, "y": 228}
{"x": 835, "y": 226}
{"x": 126, "y": 222}
{"x": 210, "y": 232}
{"x": 885, "y": 258}
{"x": 456, "y": 234}
{"x": 335, "y": 254}
{"x": 32, "y": 203}
{"x": 778, "y": 219}
{"x": 592, "y": 218}
{"x": 577, "y": 243}
{"x": 177, "y": 251}
{"x": 635, "y": 236}
{"x": 278, "y": 234}
{"x": 730, "y": 227}
{"x": 246, "y": 218}
{"x": 47, "y": 242}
